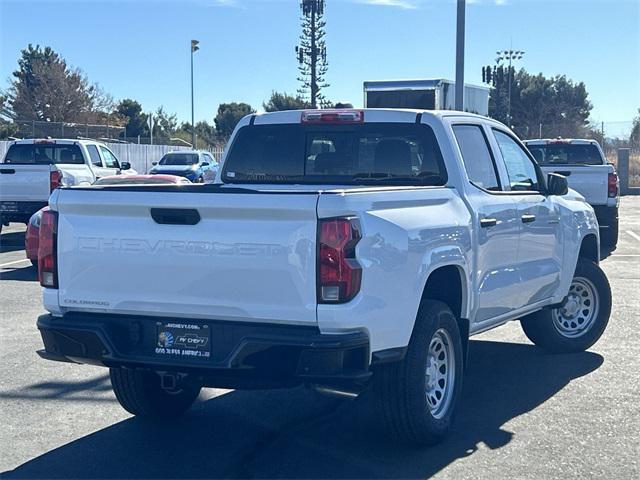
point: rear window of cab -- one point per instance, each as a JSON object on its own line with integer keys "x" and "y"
{"x": 355, "y": 154}
{"x": 44, "y": 154}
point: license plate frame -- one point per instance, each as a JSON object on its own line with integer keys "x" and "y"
{"x": 9, "y": 207}
{"x": 185, "y": 340}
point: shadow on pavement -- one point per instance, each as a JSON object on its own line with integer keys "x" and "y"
{"x": 296, "y": 433}
{"x": 11, "y": 241}
{"x": 23, "y": 274}
{"x": 65, "y": 391}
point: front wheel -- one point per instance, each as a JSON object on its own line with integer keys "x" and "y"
{"x": 417, "y": 396}
{"x": 581, "y": 319}
{"x": 140, "y": 392}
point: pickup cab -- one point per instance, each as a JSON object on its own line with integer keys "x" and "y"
{"x": 343, "y": 249}
{"x": 32, "y": 169}
{"x": 586, "y": 168}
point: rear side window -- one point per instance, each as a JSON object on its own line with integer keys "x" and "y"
{"x": 566, "y": 154}
{"x": 95, "y": 155}
{"x": 45, "y": 154}
{"x": 366, "y": 154}
{"x": 477, "y": 156}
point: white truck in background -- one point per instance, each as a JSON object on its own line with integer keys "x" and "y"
{"x": 347, "y": 249}
{"x": 584, "y": 164}
{"x": 424, "y": 94}
{"x": 32, "y": 169}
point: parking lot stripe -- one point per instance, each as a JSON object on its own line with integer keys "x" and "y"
{"x": 634, "y": 235}
{"x": 13, "y": 263}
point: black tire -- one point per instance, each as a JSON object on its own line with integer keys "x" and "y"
{"x": 139, "y": 392}
{"x": 401, "y": 387}
{"x": 555, "y": 332}
{"x": 609, "y": 238}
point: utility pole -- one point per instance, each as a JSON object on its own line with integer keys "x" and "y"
{"x": 460, "y": 55}
{"x": 194, "y": 48}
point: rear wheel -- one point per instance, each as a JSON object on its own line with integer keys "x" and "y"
{"x": 140, "y": 392}
{"x": 417, "y": 397}
{"x": 609, "y": 237}
{"x": 582, "y": 318}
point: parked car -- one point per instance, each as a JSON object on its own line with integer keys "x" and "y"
{"x": 33, "y": 227}
{"x": 586, "y": 168}
{"x": 198, "y": 166}
{"x": 366, "y": 263}
{"x": 32, "y": 169}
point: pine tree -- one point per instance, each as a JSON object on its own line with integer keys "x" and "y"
{"x": 312, "y": 53}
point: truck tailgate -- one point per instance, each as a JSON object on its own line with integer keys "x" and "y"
{"x": 250, "y": 257}
{"x": 24, "y": 183}
{"x": 591, "y": 181}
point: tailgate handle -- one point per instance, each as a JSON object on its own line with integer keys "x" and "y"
{"x": 175, "y": 216}
{"x": 7, "y": 171}
{"x": 564, "y": 173}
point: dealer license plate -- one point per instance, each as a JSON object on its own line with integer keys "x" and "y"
{"x": 183, "y": 340}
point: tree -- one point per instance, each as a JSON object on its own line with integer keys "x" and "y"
{"x": 634, "y": 138}
{"x": 557, "y": 104}
{"x": 165, "y": 124}
{"x": 283, "y": 101}
{"x": 45, "y": 88}
{"x": 312, "y": 53}
{"x": 136, "y": 120}
{"x": 229, "y": 114}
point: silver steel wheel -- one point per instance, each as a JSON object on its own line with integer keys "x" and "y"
{"x": 440, "y": 374}
{"x": 578, "y": 314}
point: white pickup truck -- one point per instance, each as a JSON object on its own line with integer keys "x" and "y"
{"x": 347, "y": 249}
{"x": 587, "y": 171}
{"x": 32, "y": 169}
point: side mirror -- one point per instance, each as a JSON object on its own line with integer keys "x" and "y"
{"x": 154, "y": 163}
{"x": 125, "y": 166}
{"x": 205, "y": 164}
{"x": 557, "y": 184}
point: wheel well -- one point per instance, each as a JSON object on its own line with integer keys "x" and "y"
{"x": 589, "y": 248}
{"x": 445, "y": 285}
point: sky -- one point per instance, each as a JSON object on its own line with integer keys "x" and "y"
{"x": 141, "y": 49}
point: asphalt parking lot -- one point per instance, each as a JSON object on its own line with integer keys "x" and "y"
{"x": 524, "y": 413}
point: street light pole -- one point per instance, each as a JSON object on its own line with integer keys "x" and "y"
{"x": 460, "y": 55}
{"x": 194, "y": 48}
{"x": 510, "y": 55}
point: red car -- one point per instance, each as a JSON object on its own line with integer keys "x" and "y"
{"x": 33, "y": 227}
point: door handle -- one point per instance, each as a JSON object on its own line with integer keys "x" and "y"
{"x": 488, "y": 222}
{"x": 528, "y": 218}
{"x": 7, "y": 171}
{"x": 175, "y": 216}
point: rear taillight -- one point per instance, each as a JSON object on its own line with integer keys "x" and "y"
{"x": 47, "y": 250}
{"x": 339, "y": 273}
{"x": 614, "y": 185}
{"x": 55, "y": 180}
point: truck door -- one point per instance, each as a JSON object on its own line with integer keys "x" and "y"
{"x": 540, "y": 246}
{"x": 496, "y": 227}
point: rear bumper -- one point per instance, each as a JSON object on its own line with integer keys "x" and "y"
{"x": 19, "y": 212}
{"x": 607, "y": 215}
{"x": 242, "y": 355}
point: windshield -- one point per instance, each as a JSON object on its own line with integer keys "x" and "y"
{"x": 179, "y": 159}
{"x": 367, "y": 154}
{"x": 43, "y": 154}
{"x": 567, "y": 154}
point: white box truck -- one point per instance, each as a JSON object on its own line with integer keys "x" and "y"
{"x": 430, "y": 94}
